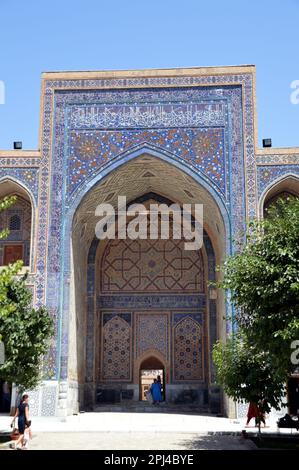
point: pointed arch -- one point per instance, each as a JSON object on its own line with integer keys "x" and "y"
{"x": 19, "y": 218}
{"x": 129, "y": 174}
{"x": 288, "y": 182}
{"x": 150, "y": 150}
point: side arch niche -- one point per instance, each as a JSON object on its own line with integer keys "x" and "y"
{"x": 18, "y": 220}
{"x": 284, "y": 187}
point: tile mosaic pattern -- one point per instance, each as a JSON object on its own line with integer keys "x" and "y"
{"x": 153, "y": 301}
{"x": 187, "y": 351}
{"x": 266, "y": 174}
{"x": 34, "y": 402}
{"x": 48, "y": 403}
{"x": 222, "y": 90}
{"x": 151, "y": 266}
{"x": 29, "y": 177}
{"x": 152, "y": 334}
{"x": 278, "y": 159}
{"x": 116, "y": 358}
{"x": 204, "y": 148}
{"x": 118, "y": 302}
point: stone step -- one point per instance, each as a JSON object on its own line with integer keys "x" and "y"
{"x": 149, "y": 408}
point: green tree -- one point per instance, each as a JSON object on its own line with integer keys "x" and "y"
{"x": 6, "y": 305}
{"x": 24, "y": 330}
{"x": 5, "y": 203}
{"x": 263, "y": 279}
{"x": 247, "y": 374}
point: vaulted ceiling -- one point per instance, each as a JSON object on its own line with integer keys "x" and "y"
{"x": 137, "y": 177}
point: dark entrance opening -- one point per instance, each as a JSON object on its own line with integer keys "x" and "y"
{"x": 150, "y": 369}
{"x": 293, "y": 396}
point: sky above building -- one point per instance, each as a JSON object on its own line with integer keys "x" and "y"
{"x": 63, "y": 35}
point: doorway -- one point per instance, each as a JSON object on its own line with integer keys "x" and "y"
{"x": 151, "y": 369}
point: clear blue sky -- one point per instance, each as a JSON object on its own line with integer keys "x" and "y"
{"x": 37, "y": 36}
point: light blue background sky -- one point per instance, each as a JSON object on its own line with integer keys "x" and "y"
{"x": 37, "y": 36}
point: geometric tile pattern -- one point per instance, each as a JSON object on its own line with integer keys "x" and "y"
{"x": 116, "y": 360}
{"x": 152, "y": 333}
{"x": 268, "y": 173}
{"x": 225, "y": 90}
{"x": 29, "y": 177}
{"x": 151, "y": 328}
{"x": 203, "y": 147}
{"x": 187, "y": 349}
{"x": 48, "y": 401}
{"x": 151, "y": 266}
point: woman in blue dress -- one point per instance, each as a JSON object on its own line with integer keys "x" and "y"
{"x": 22, "y": 413}
{"x": 156, "y": 392}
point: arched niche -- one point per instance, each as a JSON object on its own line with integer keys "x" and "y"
{"x": 18, "y": 220}
{"x": 284, "y": 187}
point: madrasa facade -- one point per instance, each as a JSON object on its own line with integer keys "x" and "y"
{"x": 127, "y": 308}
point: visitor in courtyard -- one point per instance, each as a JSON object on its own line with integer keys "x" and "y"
{"x": 156, "y": 392}
{"x": 251, "y": 413}
{"x": 22, "y": 413}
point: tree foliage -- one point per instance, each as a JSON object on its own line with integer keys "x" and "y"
{"x": 6, "y": 304}
{"x": 247, "y": 374}
{"x": 25, "y": 333}
{"x": 24, "y": 330}
{"x": 263, "y": 279}
{"x": 5, "y": 203}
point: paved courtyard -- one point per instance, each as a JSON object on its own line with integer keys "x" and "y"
{"x": 135, "y": 431}
{"x": 136, "y": 441}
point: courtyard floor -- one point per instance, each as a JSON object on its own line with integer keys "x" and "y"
{"x": 138, "y": 431}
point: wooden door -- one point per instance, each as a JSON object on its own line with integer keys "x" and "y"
{"x": 12, "y": 253}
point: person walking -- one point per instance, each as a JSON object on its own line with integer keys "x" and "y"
{"x": 251, "y": 413}
{"x": 156, "y": 392}
{"x": 22, "y": 413}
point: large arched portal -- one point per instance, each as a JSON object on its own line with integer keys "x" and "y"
{"x": 134, "y": 299}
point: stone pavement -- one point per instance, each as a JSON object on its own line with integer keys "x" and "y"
{"x": 137, "y": 441}
{"x": 134, "y": 431}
